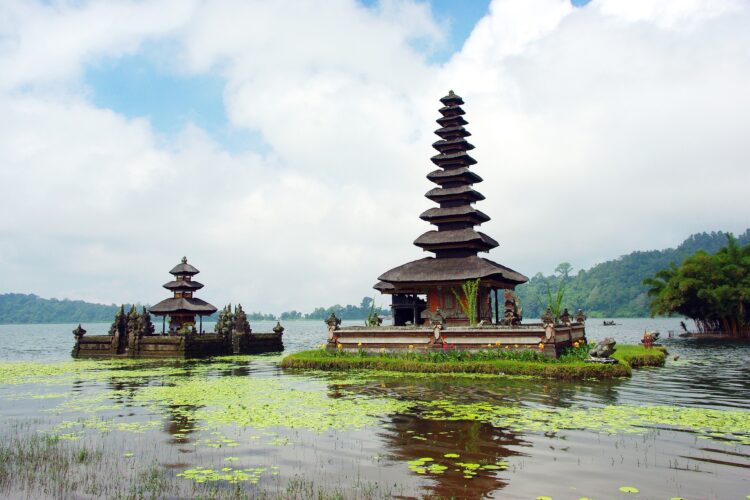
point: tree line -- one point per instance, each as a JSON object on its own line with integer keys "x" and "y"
{"x": 611, "y": 289}
{"x": 614, "y": 288}
{"x": 712, "y": 289}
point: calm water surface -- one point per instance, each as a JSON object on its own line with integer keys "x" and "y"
{"x": 678, "y": 431}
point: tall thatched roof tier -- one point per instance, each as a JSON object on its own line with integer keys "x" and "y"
{"x": 183, "y": 286}
{"x": 456, "y": 238}
{"x": 435, "y": 271}
{"x": 461, "y": 213}
{"x": 183, "y": 305}
{"x": 183, "y": 269}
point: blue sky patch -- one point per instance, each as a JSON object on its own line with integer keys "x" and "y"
{"x": 149, "y": 84}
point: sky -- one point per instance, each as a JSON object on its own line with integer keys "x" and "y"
{"x": 282, "y": 146}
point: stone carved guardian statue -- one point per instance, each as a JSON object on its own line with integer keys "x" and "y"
{"x": 548, "y": 319}
{"x": 78, "y": 333}
{"x": 333, "y": 324}
{"x": 437, "y": 335}
{"x": 604, "y": 348}
{"x": 580, "y": 317}
{"x": 565, "y": 318}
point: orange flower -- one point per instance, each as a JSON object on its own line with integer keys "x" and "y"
{"x": 541, "y": 346}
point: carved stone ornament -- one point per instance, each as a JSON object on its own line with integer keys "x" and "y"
{"x": 333, "y": 321}
{"x": 332, "y": 337}
{"x": 549, "y": 332}
{"x": 580, "y": 317}
{"x": 548, "y": 318}
{"x": 79, "y": 332}
{"x": 437, "y": 331}
{"x": 565, "y": 317}
{"x": 278, "y": 328}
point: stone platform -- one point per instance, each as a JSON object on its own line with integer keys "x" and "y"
{"x": 180, "y": 346}
{"x": 554, "y": 338}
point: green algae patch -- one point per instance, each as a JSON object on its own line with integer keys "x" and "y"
{"x": 553, "y": 369}
{"x": 708, "y": 423}
{"x": 263, "y": 403}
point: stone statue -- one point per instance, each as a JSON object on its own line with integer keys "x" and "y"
{"x": 580, "y": 317}
{"x": 435, "y": 318}
{"x": 603, "y": 348}
{"x": 512, "y": 314}
{"x": 79, "y": 333}
{"x": 565, "y": 317}
{"x": 333, "y": 324}
{"x": 548, "y": 318}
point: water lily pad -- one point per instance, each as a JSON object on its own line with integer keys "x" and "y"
{"x": 629, "y": 489}
{"x": 451, "y": 455}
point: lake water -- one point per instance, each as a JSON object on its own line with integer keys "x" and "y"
{"x": 241, "y": 426}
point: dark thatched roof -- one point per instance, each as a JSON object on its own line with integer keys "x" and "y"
{"x": 452, "y": 131}
{"x": 183, "y": 285}
{"x": 452, "y": 121}
{"x": 452, "y": 99}
{"x": 461, "y": 212}
{"x": 453, "y": 110}
{"x": 461, "y": 174}
{"x": 460, "y": 158}
{"x": 457, "y": 143}
{"x": 452, "y": 237}
{"x": 183, "y": 268}
{"x": 183, "y": 305}
{"x": 455, "y": 270}
{"x": 458, "y": 193}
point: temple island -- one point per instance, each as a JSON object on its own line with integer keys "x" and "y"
{"x": 452, "y": 300}
{"x": 133, "y": 334}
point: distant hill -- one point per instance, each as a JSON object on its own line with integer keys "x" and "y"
{"x": 19, "y": 308}
{"x": 615, "y": 288}
{"x": 610, "y": 289}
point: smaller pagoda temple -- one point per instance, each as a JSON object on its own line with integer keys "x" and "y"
{"x": 133, "y": 334}
{"x": 183, "y": 307}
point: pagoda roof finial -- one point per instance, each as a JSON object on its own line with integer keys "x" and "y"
{"x": 184, "y": 260}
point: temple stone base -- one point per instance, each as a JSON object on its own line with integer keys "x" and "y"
{"x": 553, "y": 339}
{"x": 180, "y": 346}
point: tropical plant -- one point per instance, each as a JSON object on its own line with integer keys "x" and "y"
{"x": 372, "y": 316}
{"x": 711, "y": 289}
{"x": 555, "y": 303}
{"x": 468, "y": 302}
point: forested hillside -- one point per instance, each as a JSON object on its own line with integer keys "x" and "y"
{"x": 19, "y": 308}
{"x": 615, "y": 288}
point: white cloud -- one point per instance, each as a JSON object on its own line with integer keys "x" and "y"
{"x": 599, "y": 130}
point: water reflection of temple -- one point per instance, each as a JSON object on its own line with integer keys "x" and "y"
{"x": 408, "y": 438}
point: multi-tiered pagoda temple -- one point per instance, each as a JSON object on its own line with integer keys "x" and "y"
{"x": 430, "y": 283}
{"x": 183, "y": 307}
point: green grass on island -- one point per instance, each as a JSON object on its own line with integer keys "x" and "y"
{"x": 570, "y": 366}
